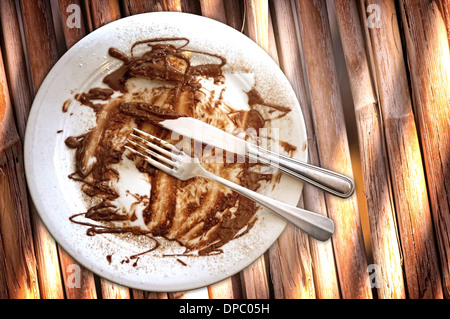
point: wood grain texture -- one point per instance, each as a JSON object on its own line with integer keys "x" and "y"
{"x": 42, "y": 54}
{"x": 255, "y": 276}
{"x": 423, "y": 278}
{"x": 290, "y": 259}
{"x": 79, "y": 282}
{"x": 40, "y": 38}
{"x": 15, "y": 65}
{"x": 323, "y": 267}
{"x": 381, "y": 211}
{"x": 214, "y": 9}
{"x": 235, "y": 13}
{"x": 257, "y": 21}
{"x": 333, "y": 146}
{"x": 3, "y": 283}
{"x": 427, "y": 43}
{"x": 111, "y": 290}
{"x": 102, "y": 12}
{"x": 229, "y": 288}
{"x": 20, "y": 273}
{"x": 68, "y": 10}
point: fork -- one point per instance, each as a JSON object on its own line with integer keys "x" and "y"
{"x": 172, "y": 161}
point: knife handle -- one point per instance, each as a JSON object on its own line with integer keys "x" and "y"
{"x": 329, "y": 181}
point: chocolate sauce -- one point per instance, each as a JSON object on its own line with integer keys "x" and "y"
{"x": 147, "y": 112}
{"x": 92, "y": 95}
{"x": 200, "y": 215}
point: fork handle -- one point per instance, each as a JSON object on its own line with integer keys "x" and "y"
{"x": 329, "y": 181}
{"x": 316, "y": 225}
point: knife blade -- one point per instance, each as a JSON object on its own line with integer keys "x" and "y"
{"x": 331, "y": 182}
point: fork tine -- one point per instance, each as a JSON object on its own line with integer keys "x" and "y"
{"x": 162, "y": 142}
{"x": 151, "y": 161}
{"x": 156, "y": 147}
{"x": 150, "y": 152}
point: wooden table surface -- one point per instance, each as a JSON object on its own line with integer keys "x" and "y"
{"x": 373, "y": 81}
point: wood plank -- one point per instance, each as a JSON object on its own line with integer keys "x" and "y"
{"x": 111, "y": 290}
{"x": 445, "y": 9}
{"x": 229, "y": 288}
{"x": 73, "y": 21}
{"x": 381, "y": 211}
{"x": 405, "y": 159}
{"x": 15, "y": 227}
{"x": 102, "y": 12}
{"x": 138, "y": 6}
{"x": 331, "y": 135}
{"x": 200, "y": 293}
{"x": 234, "y": 10}
{"x": 78, "y": 281}
{"x": 427, "y": 43}
{"x": 3, "y": 280}
{"x": 39, "y": 33}
{"x": 257, "y": 21}
{"x": 156, "y": 295}
{"x": 321, "y": 253}
{"x": 255, "y": 277}
{"x": 290, "y": 258}
{"x": 214, "y": 9}
{"x": 15, "y": 65}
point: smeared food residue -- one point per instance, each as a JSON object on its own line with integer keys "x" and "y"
{"x": 199, "y": 214}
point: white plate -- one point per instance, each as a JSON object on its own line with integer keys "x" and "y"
{"x": 48, "y": 161}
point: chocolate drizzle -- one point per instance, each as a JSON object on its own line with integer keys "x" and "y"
{"x": 200, "y": 215}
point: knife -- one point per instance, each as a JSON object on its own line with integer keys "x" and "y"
{"x": 329, "y": 181}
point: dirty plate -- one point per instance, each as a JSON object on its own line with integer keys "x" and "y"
{"x": 48, "y": 161}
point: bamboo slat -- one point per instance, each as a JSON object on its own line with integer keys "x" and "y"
{"x": 409, "y": 189}
{"x": 17, "y": 244}
{"x": 324, "y": 270}
{"x": 385, "y": 245}
{"x": 427, "y": 43}
{"x": 39, "y": 33}
{"x": 333, "y": 146}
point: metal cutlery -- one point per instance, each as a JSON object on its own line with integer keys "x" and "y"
{"x": 169, "y": 159}
{"x": 329, "y": 181}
